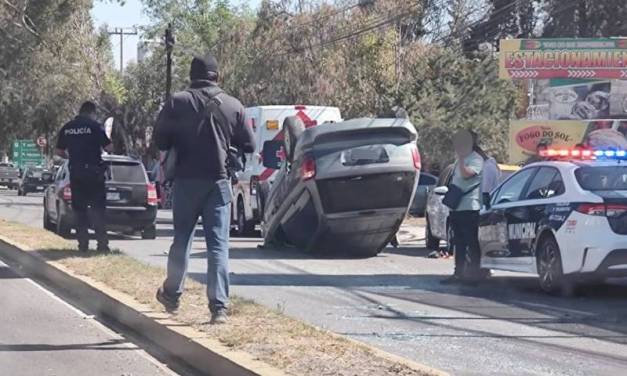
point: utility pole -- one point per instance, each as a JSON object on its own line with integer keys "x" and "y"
{"x": 122, "y": 32}
{"x": 169, "y": 46}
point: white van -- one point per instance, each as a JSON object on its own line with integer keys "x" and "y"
{"x": 266, "y": 122}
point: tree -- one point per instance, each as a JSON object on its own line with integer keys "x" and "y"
{"x": 50, "y": 60}
{"x": 506, "y": 19}
{"x": 584, "y": 18}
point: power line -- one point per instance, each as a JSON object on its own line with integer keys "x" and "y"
{"x": 374, "y": 24}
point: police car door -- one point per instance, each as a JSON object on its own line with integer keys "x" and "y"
{"x": 533, "y": 213}
{"x": 496, "y": 250}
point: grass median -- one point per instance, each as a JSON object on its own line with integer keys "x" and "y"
{"x": 267, "y": 334}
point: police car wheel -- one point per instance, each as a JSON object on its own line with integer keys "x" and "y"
{"x": 552, "y": 278}
{"x": 433, "y": 243}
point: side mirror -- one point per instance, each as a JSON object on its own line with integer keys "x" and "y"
{"x": 486, "y": 200}
{"x": 272, "y": 154}
{"x": 440, "y": 191}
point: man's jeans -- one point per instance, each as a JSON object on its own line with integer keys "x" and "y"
{"x": 211, "y": 200}
{"x": 466, "y": 240}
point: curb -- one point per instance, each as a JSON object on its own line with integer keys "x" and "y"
{"x": 183, "y": 343}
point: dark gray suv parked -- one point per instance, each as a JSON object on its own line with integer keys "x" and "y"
{"x": 131, "y": 199}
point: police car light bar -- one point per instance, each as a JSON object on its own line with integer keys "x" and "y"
{"x": 583, "y": 154}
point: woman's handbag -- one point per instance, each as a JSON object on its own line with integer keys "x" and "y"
{"x": 454, "y": 196}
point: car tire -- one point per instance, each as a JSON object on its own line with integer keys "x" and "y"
{"x": 293, "y": 127}
{"x": 48, "y": 225}
{"x": 551, "y": 275}
{"x": 244, "y": 227}
{"x": 63, "y": 229}
{"x": 20, "y": 192}
{"x": 149, "y": 233}
{"x": 432, "y": 242}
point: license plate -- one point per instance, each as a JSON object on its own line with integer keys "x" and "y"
{"x": 113, "y": 196}
{"x": 40, "y": 187}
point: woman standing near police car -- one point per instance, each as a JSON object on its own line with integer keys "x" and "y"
{"x": 464, "y": 201}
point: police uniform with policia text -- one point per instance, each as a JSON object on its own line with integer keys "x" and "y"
{"x": 84, "y": 140}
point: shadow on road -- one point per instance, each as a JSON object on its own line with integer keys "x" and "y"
{"x": 108, "y": 345}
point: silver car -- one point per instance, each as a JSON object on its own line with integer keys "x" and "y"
{"x": 437, "y": 225}
{"x": 344, "y": 187}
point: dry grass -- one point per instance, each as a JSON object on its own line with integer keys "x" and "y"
{"x": 288, "y": 344}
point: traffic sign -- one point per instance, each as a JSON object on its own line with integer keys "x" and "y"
{"x": 26, "y": 152}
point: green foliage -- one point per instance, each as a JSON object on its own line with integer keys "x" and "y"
{"x": 51, "y": 61}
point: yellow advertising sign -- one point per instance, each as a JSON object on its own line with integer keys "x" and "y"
{"x": 526, "y": 135}
{"x": 563, "y": 58}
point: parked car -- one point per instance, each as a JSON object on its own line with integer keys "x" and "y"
{"x": 34, "y": 179}
{"x": 9, "y": 175}
{"x": 437, "y": 225}
{"x": 426, "y": 183}
{"x": 131, "y": 199}
{"x": 343, "y": 188}
{"x": 266, "y": 123}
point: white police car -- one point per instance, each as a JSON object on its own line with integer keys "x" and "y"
{"x": 564, "y": 219}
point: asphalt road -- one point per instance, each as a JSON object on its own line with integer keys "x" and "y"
{"x": 42, "y": 335}
{"x": 505, "y": 326}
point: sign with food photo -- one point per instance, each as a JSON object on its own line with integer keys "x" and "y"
{"x": 527, "y": 137}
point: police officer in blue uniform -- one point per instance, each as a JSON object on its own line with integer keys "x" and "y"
{"x": 82, "y": 140}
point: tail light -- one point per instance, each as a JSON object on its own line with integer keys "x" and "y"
{"x": 603, "y": 210}
{"x": 152, "y": 197}
{"x": 254, "y": 183}
{"x": 67, "y": 193}
{"x": 308, "y": 168}
{"x": 415, "y": 154}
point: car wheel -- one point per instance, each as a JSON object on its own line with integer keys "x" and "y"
{"x": 48, "y": 225}
{"x": 244, "y": 227}
{"x": 552, "y": 278}
{"x": 293, "y": 127}
{"x": 149, "y": 233}
{"x": 433, "y": 243}
{"x": 20, "y": 192}
{"x": 63, "y": 228}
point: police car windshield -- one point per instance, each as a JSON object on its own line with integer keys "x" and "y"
{"x": 602, "y": 178}
{"x": 126, "y": 172}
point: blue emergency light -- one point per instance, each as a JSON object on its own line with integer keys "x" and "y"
{"x": 583, "y": 154}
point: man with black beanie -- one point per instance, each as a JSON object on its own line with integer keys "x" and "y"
{"x": 201, "y": 123}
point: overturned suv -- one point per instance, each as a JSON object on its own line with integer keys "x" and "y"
{"x": 342, "y": 188}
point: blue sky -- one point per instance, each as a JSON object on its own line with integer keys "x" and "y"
{"x": 128, "y": 15}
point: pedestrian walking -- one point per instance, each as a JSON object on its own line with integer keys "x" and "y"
{"x": 83, "y": 140}
{"x": 201, "y": 124}
{"x": 464, "y": 201}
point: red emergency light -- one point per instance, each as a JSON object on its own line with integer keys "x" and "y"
{"x": 583, "y": 154}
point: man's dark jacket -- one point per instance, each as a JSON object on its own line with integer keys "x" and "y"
{"x": 202, "y": 152}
